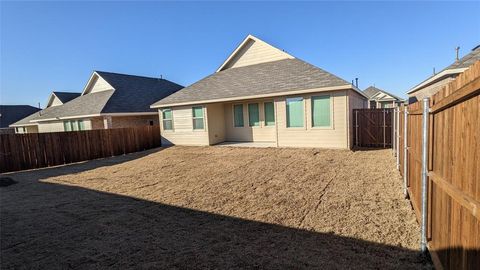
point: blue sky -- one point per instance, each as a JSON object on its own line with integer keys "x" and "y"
{"x": 49, "y": 46}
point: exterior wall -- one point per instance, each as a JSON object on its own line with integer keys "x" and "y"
{"x": 255, "y": 52}
{"x": 246, "y": 133}
{"x": 97, "y": 123}
{"x": 133, "y": 121}
{"x": 26, "y": 129}
{"x": 7, "y": 130}
{"x": 183, "y": 133}
{"x": 216, "y": 123}
{"x": 431, "y": 89}
{"x": 55, "y": 102}
{"x": 355, "y": 101}
{"x": 335, "y": 136}
{"x": 57, "y": 126}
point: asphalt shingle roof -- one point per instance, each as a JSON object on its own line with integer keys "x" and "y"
{"x": 265, "y": 78}
{"x": 66, "y": 96}
{"x": 131, "y": 94}
{"x": 372, "y": 90}
{"x": 9, "y": 114}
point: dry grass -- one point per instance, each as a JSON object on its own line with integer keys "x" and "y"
{"x": 213, "y": 207}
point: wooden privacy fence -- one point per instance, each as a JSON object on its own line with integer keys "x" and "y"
{"x": 372, "y": 127}
{"x": 453, "y": 169}
{"x": 38, "y": 150}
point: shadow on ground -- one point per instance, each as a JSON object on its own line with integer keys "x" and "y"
{"x": 51, "y": 226}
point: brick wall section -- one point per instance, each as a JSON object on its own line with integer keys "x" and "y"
{"x": 97, "y": 123}
{"x": 134, "y": 121}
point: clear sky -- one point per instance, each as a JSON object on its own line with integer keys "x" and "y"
{"x": 49, "y": 46}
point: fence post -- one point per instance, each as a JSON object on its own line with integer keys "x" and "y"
{"x": 405, "y": 151}
{"x": 384, "y": 125}
{"x": 426, "y": 103}
{"x": 356, "y": 126}
{"x": 393, "y": 131}
{"x": 397, "y": 137}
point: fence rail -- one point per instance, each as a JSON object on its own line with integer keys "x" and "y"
{"x": 38, "y": 150}
{"x": 453, "y": 166}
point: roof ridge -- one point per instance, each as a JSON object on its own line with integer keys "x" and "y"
{"x": 123, "y": 74}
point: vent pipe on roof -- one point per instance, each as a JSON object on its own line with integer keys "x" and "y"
{"x": 356, "y": 82}
{"x": 457, "y": 49}
{"x": 434, "y": 72}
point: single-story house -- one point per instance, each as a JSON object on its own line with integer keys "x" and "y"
{"x": 378, "y": 98}
{"x": 262, "y": 94}
{"x": 58, "y": 98}
{"x": 10, "y": 114}
{"x": 109, "y": 100}
{"x": 434, "y": 83}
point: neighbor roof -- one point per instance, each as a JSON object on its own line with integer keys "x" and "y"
{"x": 131, "y": 94}
{"x": 66, "y": 96}
{"x": 11, "y": 113}
{"x": 372, "y": 91}
{"x": 457, "y": 67}
{"x": 264, "y": 78}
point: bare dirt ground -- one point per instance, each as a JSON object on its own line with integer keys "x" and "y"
{"x": 212, "y": 207}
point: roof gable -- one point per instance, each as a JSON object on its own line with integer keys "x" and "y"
{"x": 374, "y": 93}
{"x": 253, "y": 51}
{"x": 58, "y": 98}
{"x": 96, "y": 84}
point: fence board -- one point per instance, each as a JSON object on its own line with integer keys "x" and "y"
{"x": 38, "y": 150}
{"x": 372, "y": 127}
{"x": 454, "y": 170}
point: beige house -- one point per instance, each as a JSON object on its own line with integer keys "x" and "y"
{"x": 435, "y": 82}
{"x": 109, "y": 100}
{"x": 378, "y": 98}
{"x": 262, "y": 94}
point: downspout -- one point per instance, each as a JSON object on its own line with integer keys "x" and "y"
{"x": 423, "y": 243}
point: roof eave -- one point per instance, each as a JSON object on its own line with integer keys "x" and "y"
{"x": 435, "y": 78}
{"x": 269, "y": 95}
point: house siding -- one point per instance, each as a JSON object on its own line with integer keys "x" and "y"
{"x": 57, "y": 126}
{"x": 216, "y": 123}
{"x": 355, "y": 101}
{"x": 307, "y": 136}
{"x": 255, "y": 52}
{"x": 246, "y": 133}
{"x": 183, "y": 133}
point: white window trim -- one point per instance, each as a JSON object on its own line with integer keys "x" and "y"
{"x": 331, "y": 126}
{"x": 163, "y": 126}
{"x": 304, "y": 114}
{"x": 204, "y": 125}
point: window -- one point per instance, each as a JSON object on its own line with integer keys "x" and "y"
{"x": 269, "y": 111}
{"x": 253, "y": 115}
{"x": 167, "y": 119}
{"x": 150, "y": 122}
{"x": 238, "y": 115}
{"x": 81, "y": 125}
{"x": 74, "y": 125}
{"x": 295, "y": 112}
{"x": 321, "y": 111}
{"x": 197, "y": 117}
{"x": 67, "y": 126}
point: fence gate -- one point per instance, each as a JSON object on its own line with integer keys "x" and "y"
{"x": 372, "y": 127}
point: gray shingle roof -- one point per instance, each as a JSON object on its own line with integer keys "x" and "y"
{"x": 265, "y": 78}
{"x": 372, "y": 90}
{"x": 66, "y": 96}
{"x": 9, "y": 114}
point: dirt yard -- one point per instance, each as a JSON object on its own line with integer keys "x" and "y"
{"x": 212, "y": 207}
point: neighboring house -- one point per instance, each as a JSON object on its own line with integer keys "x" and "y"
{"x": 109, "y": 100}
{"x": 434, "y": 83}
{"x": 10, "y": 114}
{"x": 378, "y": 98}
{"x": 262, "y": 94}
{"x": 58, "y": 98}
